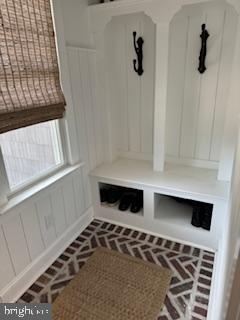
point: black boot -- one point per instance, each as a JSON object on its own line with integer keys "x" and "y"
{"x": 196, "y": 215}
{"x": 206, "y": 216}
{"x": 137, "y": 202}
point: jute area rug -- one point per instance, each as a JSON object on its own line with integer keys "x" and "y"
{"x": 113, "y": 286}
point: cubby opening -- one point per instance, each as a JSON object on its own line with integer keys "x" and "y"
{"x": 183, "y": 212}
{"x": 121, "y": 199}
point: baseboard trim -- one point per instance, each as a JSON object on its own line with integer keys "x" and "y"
{"x": 29, "y": 275}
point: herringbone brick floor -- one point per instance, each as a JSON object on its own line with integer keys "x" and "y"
{"x": 188, "y": 295}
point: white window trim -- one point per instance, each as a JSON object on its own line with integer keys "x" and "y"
{"x": 67, "y": 126}
{"x": 59, "y": 140}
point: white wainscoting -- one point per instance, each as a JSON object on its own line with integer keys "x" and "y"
{"x": 88, "y": 115}
{"x": 130, "y": 96}
{"x": 35, "y": 232}
{"x": 196, "y": 103}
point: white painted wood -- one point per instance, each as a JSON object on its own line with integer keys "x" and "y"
{"x": 96, "y": 107}
{"x": 69, "y": 202}
{"x": 177, "y": 67}
{"x": 130, "y": 96}
{"x": 46, "y": 220}
{"x": 16, "y": 243}
{"x": 192, "y": 87}
{"x": 227, "y": 53}
{"x": 232, "y": 117}
{"x": 70, "y": 131}
{"x": 134, "y": 88}
{"x": 58, "y": 211}
{"x": 178, "y": 180}
{"x": 87, "y": 188}
{"x": 4, "y": 185}
{"x": 76, "y": 91}
{"x": 14, "y": 290}
{"x": 215, "y": 21}
{"x": 32, "y": 231}
{"x": 6, "y": 268}
{"x": 160, "y": 95}
{"x": 86, "y": 100}
{"x": 197, "y": 103}
{"x": 147, "y": 86}
{"x": 79, "y": 193}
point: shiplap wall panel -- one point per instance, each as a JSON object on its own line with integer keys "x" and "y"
{"x": 196, "y": 103}
{"x": 88, "y": 106}
{"x": 191, "y": 89}
{"x": 17, "y": 244}
{"x": 215, "y": 21}
{"x": 177, "y": 70}
{"x": 32, "y": 231}
{"x": 46, "y": 219}
{"x": 69, "y": 202}
{"x": 96, "y": 109}
{"x": 131, "y": 96}
{"x": 58, "y": 211}
{"x": 88, "y": 113}
{"x": 134, "y": 87}
{"x": 6, "y": 269}
{"x": 79, "y": 194}
{"x": 74, "y": 69}
{"x": 87, "y": 188}
{"x": 228, "y": 46}
{"x": 147, "y": 86}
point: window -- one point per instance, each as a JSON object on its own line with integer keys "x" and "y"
{"x": 31, "y": 152}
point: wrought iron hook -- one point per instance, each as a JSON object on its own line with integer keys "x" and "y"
{"x": 138, "y": 45}
{"x": 203, "y": 52}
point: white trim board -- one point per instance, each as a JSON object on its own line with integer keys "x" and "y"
{"x": 21, "y": 283}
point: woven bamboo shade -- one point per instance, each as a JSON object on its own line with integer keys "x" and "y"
{"x": 30, "y": 90}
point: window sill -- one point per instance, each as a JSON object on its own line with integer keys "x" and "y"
{"x": 22, "y": 196}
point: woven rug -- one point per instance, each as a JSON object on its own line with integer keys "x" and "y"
{"x": 113, "y": 286}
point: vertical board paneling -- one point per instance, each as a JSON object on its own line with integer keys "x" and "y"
{"x": 177, "y": 65}
{"x": 78, "y": 193}
{"x": 58, "y": 211}
{"x": 32, "y": 231}
{"x": 74, "y": 68}
{"x": 97, "y": 112}
{"x": 88, "y": 108}
{"x": 6, "y": 268}
{"x": 87, "y": 188}
{"x": 215, "y": 21}
{"x": 69, "y": 202}
{"x": 229, "y": 34}
{"x": 131, "y": 96}
{"x": 191, "y": 88}
{"x": 196, "y": 103}
{"x": 147, "y": 86}
{"x": 17, "y": 244}
{"x": 46, "y": 219}
{"x": 134, "y": 88}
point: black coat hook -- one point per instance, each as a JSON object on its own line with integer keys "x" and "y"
{"x": 138, "y": 45}
{"x": 203, "y": 52}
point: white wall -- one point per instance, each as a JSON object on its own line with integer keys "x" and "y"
{"x": 34, "y": 232}
{"x": 130, "y": 95}
{"x": 197, "y": 103}
{"x": 76, "y": 23}
{"x": 35, "y": 227}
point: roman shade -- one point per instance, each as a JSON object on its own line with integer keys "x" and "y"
{"x": 30, "y": 90}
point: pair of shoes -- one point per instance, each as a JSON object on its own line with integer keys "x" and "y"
{"x": 132, "y": 200}
{"x": 110, "y": 196}
{"x": 202, "y": 215}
